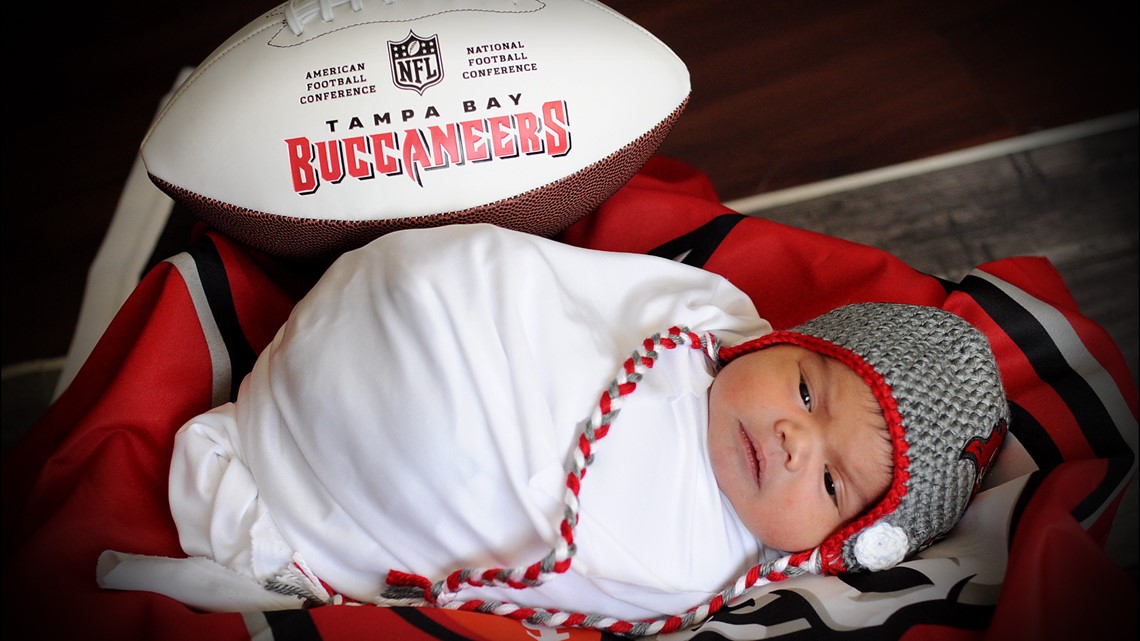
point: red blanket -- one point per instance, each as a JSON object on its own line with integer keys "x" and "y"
{"x": 91, "y": 474}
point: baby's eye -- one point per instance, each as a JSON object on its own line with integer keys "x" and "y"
{"x": 805, "y": 394}
{"x": 828, "y": 483}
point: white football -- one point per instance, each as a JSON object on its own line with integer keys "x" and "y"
{"x": 325, "y": 123}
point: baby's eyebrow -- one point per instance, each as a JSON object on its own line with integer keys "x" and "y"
{"x": 867, "y": 473}
{"x": 858, "y": 493}
{"x": 825, "y": 384}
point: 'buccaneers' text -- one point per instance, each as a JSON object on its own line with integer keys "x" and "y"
{"x": 411, "y": 151}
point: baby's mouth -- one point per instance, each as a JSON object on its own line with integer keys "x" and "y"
{"x": 752, "y": 456}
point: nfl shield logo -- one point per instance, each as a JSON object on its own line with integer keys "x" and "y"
{"x": 415, "y": 62}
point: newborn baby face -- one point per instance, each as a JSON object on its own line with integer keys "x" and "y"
{"x": 798, "y": 444}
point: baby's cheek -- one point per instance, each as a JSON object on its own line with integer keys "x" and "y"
{"x": 788, "y": 523}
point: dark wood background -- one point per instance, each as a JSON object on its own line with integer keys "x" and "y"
{"x": 785, "y": 92}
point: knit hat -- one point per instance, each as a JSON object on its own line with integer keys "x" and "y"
{"x": 936, "y": 380}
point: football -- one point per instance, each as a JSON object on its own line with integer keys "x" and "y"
{"x": 324, "y": 124}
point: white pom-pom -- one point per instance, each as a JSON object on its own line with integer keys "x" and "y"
{"x": 881, "y": 546}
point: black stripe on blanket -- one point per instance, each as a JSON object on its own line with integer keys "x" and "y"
{"x": 1050, "y": 364}
{"x": 422, "y": 622}
{"x": 1032, "y": 484}
{"x": 292, "y": 625}
{"x": 792, "y": 610}
{"x": 219, "y": 296}
{"x": 1051, "y": 367}
{"x": 696, "y": 247}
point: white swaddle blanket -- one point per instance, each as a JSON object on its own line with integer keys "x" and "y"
{"x": 416, "y": 413}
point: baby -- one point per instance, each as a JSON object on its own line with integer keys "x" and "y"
{"x": 421, "y": 428}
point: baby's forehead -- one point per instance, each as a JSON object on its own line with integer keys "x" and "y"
{"x": 841, "y": 372}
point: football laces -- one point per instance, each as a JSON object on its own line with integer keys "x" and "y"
{"x": 299, "y": 12}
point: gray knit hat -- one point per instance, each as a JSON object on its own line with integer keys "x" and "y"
{"x": 936, "y": 380}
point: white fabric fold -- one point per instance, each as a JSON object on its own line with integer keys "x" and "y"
{"x": 196, "y": 581}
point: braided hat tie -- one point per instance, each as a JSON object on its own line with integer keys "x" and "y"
{"x": 445, "y": 592}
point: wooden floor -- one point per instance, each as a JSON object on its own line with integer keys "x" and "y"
{"x": 784, "y": 93}
{"x": 1071, "y": 200}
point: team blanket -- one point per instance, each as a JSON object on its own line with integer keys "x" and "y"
{"x": 1027, "y": 560}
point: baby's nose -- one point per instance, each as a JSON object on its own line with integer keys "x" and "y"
{"x": 798, "y": 441}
